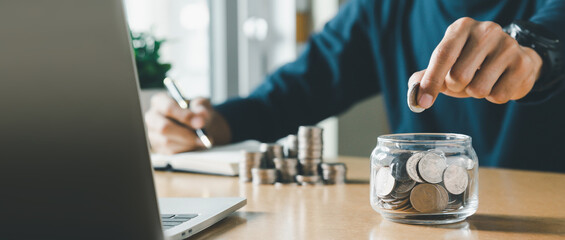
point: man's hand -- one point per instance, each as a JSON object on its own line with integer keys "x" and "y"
{"x": 171, "y": 128}
{"x": 479, "y": 60}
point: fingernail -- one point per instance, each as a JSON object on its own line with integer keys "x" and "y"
{"x": 197, "y": 122}
{"x": 425, "y": 100}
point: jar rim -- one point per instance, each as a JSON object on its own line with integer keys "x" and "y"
{"x": 424, "y": 138}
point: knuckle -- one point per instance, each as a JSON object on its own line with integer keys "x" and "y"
{"x": 443, "y": 55}
{"x": 465, "y": 21}
{"x": 460, "y": 24}
{"x": 510, "y": 42}
{"x": 526, "y": 62}
{"x": 490, "y": 27}
{"x": 460, "y": 75}
{"x": 522, "y": 64}
{"x": 477, "y": 91}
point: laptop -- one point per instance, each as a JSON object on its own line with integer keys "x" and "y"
{"x": 74, "y": 159}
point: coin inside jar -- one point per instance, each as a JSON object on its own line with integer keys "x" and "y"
{"x": 412, "y": 166}
{"x": 428, "y": 198}
{"x": 455, "y": 179}
{"x": 431, "y": 167}
{"x": 385, "y": 182}
{"x": 398, "y": 167}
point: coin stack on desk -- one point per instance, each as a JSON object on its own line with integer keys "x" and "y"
{"x": 300, "y": 153}
{"x": 249, "y": 161}
{"x": 264, "y": 175}
{"x": 287, "y": 169}
{"x": 310, "y": 149}
{"x": 424, "y": 182}
{"x": 270, "y": 152}
{"x": 333, "y": 173}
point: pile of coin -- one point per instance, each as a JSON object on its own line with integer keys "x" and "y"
{"x": 298, "y": 159}
{"x": 287, "y": 169}
{"x": 310, "y": 151}
{"x": 249, "y": 161}
{"x": 264, "y": 175}
{"x": 333, "y": 173}
{"x": 423, "y": 181}
{"x": 270, "y": 152}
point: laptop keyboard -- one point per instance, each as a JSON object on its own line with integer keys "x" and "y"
{"x": 172, "y": 220}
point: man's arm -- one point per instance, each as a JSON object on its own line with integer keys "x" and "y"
{"x": 335, "y": 71}
{"x": 479, "y": 60}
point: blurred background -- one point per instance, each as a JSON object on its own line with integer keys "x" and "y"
{"x": 225, "y": 48}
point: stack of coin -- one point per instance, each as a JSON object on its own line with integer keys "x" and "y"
{"x": 291, "y": 146}
{"x": 333, "y": 173}
{"x": 250, "y": 160}
{"x": 264, "y": 175}
{"x": 423, "y": 182}
{"x": 270, "y": 152}
{"x": 310, "y": 149}
{"x": 287, "y": 169}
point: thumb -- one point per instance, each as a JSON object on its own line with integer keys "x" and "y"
{"x": 201, "y": 108}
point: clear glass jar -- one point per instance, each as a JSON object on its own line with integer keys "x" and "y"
{"x": 424, "y": 178}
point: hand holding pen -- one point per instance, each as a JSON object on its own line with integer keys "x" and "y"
{"x": 172, "y": 124}
{"x": 176, "y": 94}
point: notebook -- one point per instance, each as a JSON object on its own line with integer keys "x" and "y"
{"x": 222, "y": 160}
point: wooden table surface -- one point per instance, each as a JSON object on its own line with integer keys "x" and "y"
{"x": 512, "y": 205}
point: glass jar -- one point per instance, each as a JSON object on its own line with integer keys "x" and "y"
{"x": 424, "y": 178}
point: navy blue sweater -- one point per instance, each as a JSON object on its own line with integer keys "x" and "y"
{"x": 372, "y": 47}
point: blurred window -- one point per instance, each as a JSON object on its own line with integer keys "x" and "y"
{"x": 185, "y": 25}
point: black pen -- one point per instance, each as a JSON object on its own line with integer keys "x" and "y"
{"x": 179, "y": 98}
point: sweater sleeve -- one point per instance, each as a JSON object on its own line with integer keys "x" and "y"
{"x": 551, "y": 15}
{"x": 335, "y": 71}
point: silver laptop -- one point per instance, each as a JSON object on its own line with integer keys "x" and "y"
{"x": 74, "y": 161}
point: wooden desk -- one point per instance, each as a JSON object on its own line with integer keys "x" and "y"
{"x": 512, "y": 205}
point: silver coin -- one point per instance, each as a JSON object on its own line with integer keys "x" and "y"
{"x": 444, "y": 197}
{"x": 426, "y": 198}
{"x": 412, "y": 166}
{"x": 411, "y": 98}
{"x": 431, "y": 167}
{"x": 403, "y": 187}
{"x": 384, "y": 181}
{"x": 455, "y": 179}
{"x": 400, "y": 195}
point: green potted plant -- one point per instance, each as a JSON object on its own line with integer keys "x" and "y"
{"x": 150, "y": 70}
